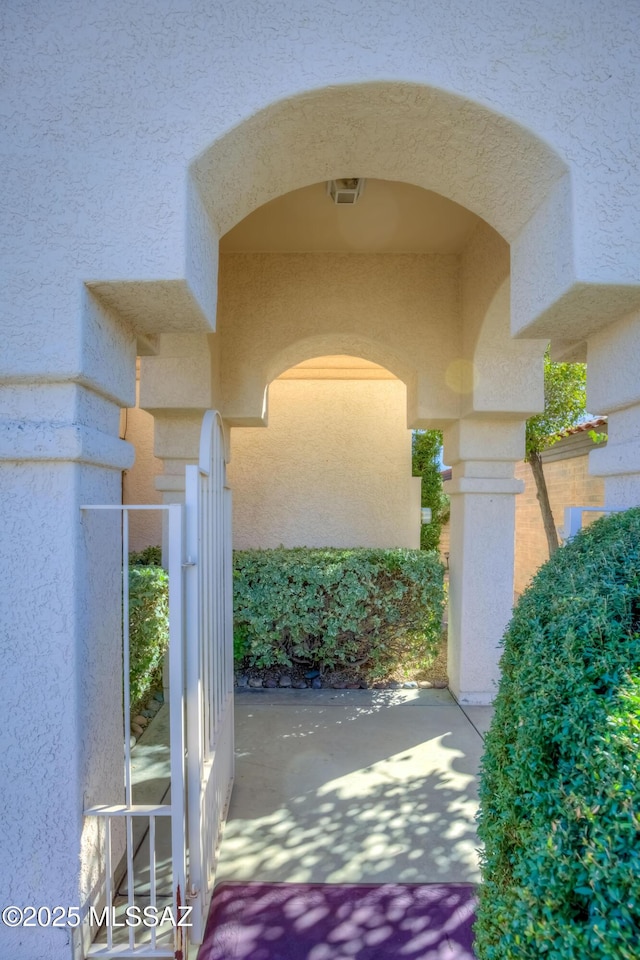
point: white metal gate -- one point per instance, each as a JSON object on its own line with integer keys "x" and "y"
{"x": 134, "y": 881}
{"x": 201, "y": 726}
{"x": 209, "y": 662}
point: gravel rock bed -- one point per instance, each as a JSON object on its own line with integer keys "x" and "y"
{"x": 142, "y": 719}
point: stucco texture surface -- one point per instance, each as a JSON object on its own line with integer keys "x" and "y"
{"x": 569, "y": 484}
{"x": 500, "y": 108}
{"x": 333, "y": 469}
{"x": 400, "y": 311}
{"x": 60, "y": 688}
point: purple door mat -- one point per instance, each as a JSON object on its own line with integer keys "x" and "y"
{"x": 342, "y": 921}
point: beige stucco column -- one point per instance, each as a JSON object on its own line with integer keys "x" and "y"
{"x": 177, "y": 386}
{"x": 176, "y": 443}
{"x": 482, "y": 454}
{"x": 613, "y": 388}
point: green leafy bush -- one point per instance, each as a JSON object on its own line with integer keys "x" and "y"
{"x": 148, "y": 630}
{"x": 149, "y": 557}
{"x": 426, "y": 446}
{"x": 335, "y": 609}
{"x": 560, "y": 788}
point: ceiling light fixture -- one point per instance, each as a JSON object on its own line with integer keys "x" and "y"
{"x": 346, "y": 189}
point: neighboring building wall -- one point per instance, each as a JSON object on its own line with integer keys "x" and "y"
{"x": 333, "y": 468}
{"x": 445, "y": 543}
{"x": 566, "y": 470}
{"x": 138, "y": 483}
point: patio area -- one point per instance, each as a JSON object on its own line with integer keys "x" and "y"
{"x": 337, "y": 787}
{"x": 357, "y": 786}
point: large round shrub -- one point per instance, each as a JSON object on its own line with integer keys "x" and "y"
{"x": 560, "y": 788}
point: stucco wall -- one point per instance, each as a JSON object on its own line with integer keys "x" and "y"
{"x": 333, "y": 468}
{"x": 398, "y": 310}
{"x": 135, "y": 229}
{"x": 463, "y": 99}
{"x": 74, "y": 732}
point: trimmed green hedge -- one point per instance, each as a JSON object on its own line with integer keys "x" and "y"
{"x": 334, "y": 609}
{"x": 560, "y": 788}
{"x": 148, "y": 630}
{"x": 149, "y": 557}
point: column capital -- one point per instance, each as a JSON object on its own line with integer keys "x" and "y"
{"x": 179, "y": 378}
{"x": 170, "y": 483}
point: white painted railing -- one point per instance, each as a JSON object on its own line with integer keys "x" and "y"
{"x": 120, "y": 939}
{"x": 209, "y": 663}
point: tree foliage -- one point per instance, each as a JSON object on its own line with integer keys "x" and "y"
{"x": 426, "y": 447}
{"x": 564, "y": 406}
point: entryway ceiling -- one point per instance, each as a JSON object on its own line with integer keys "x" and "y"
{"x": 389, "y": 217}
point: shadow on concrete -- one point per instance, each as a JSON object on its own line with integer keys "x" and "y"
{"x": 365, "y": 786}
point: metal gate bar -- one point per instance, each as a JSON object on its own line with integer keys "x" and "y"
{"x": 573, "y": 519}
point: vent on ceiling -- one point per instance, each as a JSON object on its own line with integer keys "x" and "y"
{"x": 345, "y": 190}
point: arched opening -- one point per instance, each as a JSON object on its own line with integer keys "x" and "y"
{"x": 333, "y": 467}
{"x": 390, "y": 131}
{"x": 408, "y": 277}
{"x": 404, "y": 277}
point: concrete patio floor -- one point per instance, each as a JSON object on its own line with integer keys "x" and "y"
{"x": 354, "y": 786}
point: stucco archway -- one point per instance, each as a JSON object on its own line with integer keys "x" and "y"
{"x": 266, "y": 313}
{"x": 388, "y": 130}
{"x": 333, "y": 468}
{"x": 392, "y": 131}
{"x": 351, "y": 345}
